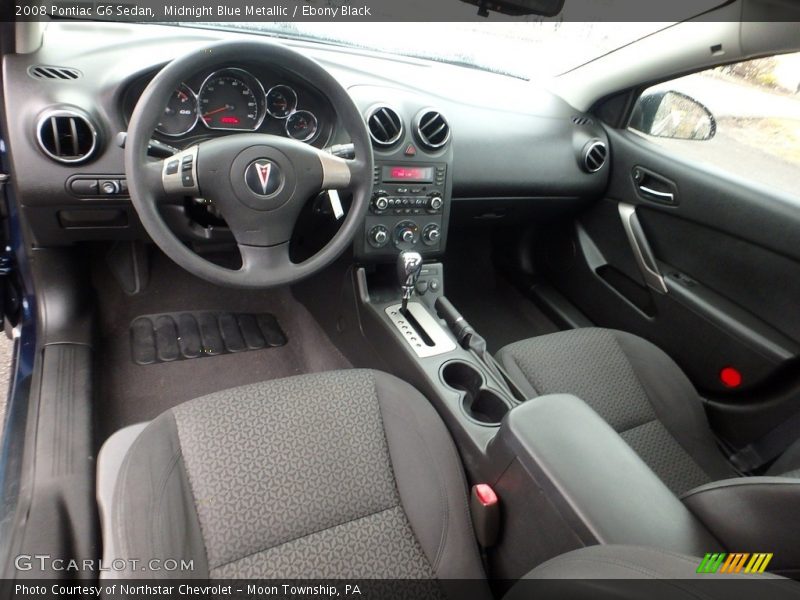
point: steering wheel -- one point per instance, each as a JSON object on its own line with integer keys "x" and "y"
{"x": 258, "y": 182}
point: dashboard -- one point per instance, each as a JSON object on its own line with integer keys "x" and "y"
{"x": 453, "y": 146}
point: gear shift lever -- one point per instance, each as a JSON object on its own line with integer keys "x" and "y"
{"x": 409, "y": 265}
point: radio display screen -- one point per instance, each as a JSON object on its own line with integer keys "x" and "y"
{"x": 414, "y": 174}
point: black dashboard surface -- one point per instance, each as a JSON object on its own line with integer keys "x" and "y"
{"x": 511, "y": 139}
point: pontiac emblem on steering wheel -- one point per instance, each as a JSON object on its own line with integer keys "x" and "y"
{"x": 263, "y": 177}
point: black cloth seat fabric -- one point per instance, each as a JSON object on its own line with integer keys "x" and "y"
{"x": 617, "y": 572}
{"x": 639, "y": 391}
{"x": 346, "y": 474}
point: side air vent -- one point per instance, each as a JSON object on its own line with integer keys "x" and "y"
{"x": 49, "y": 72}
{"x": 66, "y": 136}
{"x": 582, "y": 121}
{"x": 385, "y": 126}
{"x": 594, "y": 156}
{"x": 433, "y": 129}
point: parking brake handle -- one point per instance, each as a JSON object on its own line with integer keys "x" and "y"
{"x": 457, "y": 323}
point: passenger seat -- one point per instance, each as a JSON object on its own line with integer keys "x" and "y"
{"x": 638, "y": 390}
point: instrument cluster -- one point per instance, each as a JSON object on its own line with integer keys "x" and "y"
{"x": 233, "y": 99}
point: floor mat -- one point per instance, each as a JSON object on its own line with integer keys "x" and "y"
{"x": 167, "y": 337}
{"x": 128, "y": 393}
{"x": 494, "y": 307}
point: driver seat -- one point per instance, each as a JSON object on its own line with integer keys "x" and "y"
{"x": 346, "y": 474}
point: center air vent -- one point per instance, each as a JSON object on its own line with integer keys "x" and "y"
{"x": 385, "y": 126}
{"x": 433, "y": 129}
{"x": 50, "y": 72}
{"x": 66, "y": 136}
{"x": 594, "y": 156}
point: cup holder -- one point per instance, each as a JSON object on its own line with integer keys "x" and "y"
{"x": 480, "y": 403}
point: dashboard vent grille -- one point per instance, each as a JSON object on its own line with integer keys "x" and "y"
{"x": 594, "y": 156}
{"x": 433, "y": 129}
{"x": 49, "y": 72}
{"x": 66, "y": 136}
{"x": 385, "y": 126}
{"x": 581, "y": 121}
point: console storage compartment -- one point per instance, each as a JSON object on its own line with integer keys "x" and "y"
{"x": 566, "y": 479}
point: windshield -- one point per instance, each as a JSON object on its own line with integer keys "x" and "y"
{"x": 527, "y": 49}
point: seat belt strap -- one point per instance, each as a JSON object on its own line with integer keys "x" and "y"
{"x": 768, "y": 448}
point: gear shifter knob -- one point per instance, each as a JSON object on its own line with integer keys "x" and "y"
{"x": 409, "y": 265}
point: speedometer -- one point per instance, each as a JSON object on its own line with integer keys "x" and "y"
{"x": 231, "y": 99}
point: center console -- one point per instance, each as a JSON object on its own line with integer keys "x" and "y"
{"x": 409, "y": 210}
{"x": 564, "y": 478}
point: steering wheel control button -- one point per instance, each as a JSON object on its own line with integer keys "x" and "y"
{"x": 179, "y": 173}
{"x": 263, "y": 177}
{"x": 187, "y": 180}
{"x": 187, "y": 166}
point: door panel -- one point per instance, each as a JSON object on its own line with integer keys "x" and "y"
{"x": 728, "y": 254}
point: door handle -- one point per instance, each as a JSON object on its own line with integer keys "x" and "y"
{"x": 654, "y": 187}
{"x": 663, "y": 196}
{"x": 642, "y": 252}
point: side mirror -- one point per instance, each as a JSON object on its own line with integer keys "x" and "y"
{"x": 671, "y": 114}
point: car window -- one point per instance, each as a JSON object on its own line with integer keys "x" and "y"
{"x": 743, "y": 117}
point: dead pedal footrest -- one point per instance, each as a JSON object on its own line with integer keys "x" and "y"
{"x": 174, "y": 336}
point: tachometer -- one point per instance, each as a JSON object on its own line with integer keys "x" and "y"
{"x": 231, "y": 99}
{"x": 301, "y": 125}
{"x": 281, "y": 101}
{"x": 180, "y": 114}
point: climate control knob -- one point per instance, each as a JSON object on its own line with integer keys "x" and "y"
{"x": 435, "y": 203}
{"x": 406, "y": 234}
{"x": 378, "y": 236}
{"x": 431, "y": 235}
